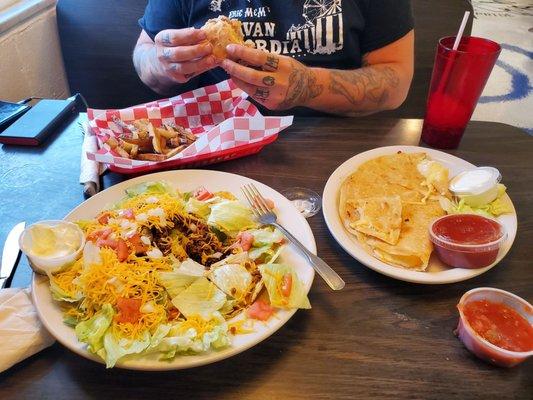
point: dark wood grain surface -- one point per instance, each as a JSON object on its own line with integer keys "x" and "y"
{"x": 378, "y": 338}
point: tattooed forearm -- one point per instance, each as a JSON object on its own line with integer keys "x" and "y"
{"x": 368, "y": 88}
{"x": 303, "y": 86}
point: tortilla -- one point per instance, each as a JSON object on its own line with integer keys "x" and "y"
{"x": 222, "y": 31}
{"x": 373, "y": 197}
{"x": 380, "y": 217}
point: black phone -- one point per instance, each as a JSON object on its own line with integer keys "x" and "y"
{"x": 37, "y": 123}
{"x": 9, "y": 112}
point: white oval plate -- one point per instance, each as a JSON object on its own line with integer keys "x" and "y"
{"x": 437, "y": 272}
{"x": 185, "y": 180}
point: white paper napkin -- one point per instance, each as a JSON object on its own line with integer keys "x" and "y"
{"x": 90, "y": 171}
{"x": 21, "y": 333}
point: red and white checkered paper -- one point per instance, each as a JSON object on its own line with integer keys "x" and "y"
{"x": 219, "y": 115}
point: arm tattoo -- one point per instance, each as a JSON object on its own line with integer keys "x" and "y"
{"x": 367, "y": 87}
{"x": 303, "y": 86}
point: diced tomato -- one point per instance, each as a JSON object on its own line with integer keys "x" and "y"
{"x": 127, "y": 213}
{"x": 128, "y": 310}
{"x": 104, "y": 218}
{"x": 137, "y": 244}
{"x": 260, "y": 310}
{"x": 112, "y": 243}
{"x": 246, "y": 240}
{"x": 270, "y": 204}
{"x": 100, "y": 234}
{"x": 286, "y": 285}
{"x": 172, "y": 314}
{"x": 123, "y": 250}
{"x": 202, "y": 194}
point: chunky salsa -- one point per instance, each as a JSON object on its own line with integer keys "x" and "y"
{"x": 500, "y": 325}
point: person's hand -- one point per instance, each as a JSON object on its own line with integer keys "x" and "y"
{"x": 184, "y": 53}
{"x": 281, "y": 82}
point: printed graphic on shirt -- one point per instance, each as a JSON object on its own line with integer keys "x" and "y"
{"x": 322, "y": 32}
{"x": 319, "y": 30}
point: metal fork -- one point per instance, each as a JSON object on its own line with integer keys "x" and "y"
{"x": 267, "y": 217}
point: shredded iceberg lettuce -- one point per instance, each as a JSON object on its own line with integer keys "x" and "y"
{"x": 498, "y": 207}
{"x": 92, "y": 331}
{"x": 195, "y": 335}
{"x": 115, "y": 349}
{"x": 273, "y": 277}
{"x": 202, "y": 297}
{"x": 200, "y": 208}
{"x": 231, "y": 217}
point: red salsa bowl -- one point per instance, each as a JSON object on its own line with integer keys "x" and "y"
{"x": 467, "y": 240}
{"x": 495, "y": 325}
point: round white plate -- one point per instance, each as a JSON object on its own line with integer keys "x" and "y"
{"x": 437, "y": 272}
{"x": 185, "y": 180}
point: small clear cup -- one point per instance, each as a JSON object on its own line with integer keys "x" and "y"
{"x": 50, "y": 264}
{"x": 306, "y": 201}
{"x": 481, "y": 347}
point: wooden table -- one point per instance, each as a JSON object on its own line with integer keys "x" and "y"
{"x": 378, "y": 338}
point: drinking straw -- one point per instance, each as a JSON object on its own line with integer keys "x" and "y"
{"x": 461, "y": 30}
{"x": 450, "y": 62}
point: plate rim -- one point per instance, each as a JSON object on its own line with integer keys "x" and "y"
{"x": 391, "y": 271}
{"x": 214, "y": 356}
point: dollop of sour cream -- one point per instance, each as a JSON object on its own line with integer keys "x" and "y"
{"x": 53, "y": 241}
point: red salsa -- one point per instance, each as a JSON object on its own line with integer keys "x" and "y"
{"x": 467, "y": 240}
{"x": 500, "y": 325}
{"x": 467, "y": 229}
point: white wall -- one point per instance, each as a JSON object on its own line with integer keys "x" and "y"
{"x": 30, "y": 55}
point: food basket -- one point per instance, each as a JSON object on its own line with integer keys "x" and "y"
{"x": 225, "y": 123}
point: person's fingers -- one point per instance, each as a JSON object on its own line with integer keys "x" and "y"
{"x": 251, "y": 56}
{"x": 184, "y": 53}
{"x": 180, "y": 37}
{"x": 243, "y": 73}
{"x": 257, "y": 92}
{"x": 267, "y": 61}
{"x": 195, "y": 67}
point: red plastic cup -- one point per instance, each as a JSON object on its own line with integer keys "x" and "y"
{"x": 459, "y": 77}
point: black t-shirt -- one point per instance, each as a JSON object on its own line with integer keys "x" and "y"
{"x": 319, "y": 33}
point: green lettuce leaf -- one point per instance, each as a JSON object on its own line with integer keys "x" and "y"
{"x": 184, "y": 338}
{"x": 200, "y": 208}
{"x": 93, "y": 330}
{"x": 265, "y": 236}
{"x": 180, "y": 278}
{"x": 232, "y": 279}
{"x": 231, "y": 217}
{"x": 150, "y": 188}
{"x": 116, "y": 349}
{"x": 495, "y": 209}
{"x": 202, "y": 298}
{"x": 273, "y": 277}
{"x": 237, "y": 258}
{"x": 59, "y": 294}
{"x": 266, "y": 254}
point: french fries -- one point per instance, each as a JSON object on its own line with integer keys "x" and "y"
{"x": 149, "y": 142}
